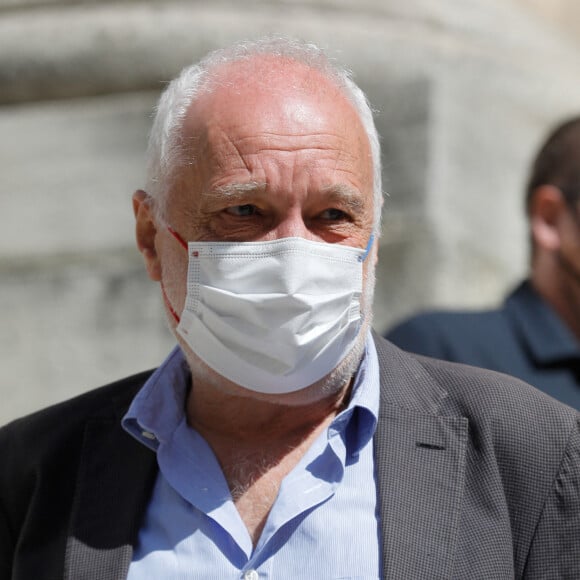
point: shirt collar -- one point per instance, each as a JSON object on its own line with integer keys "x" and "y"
{"x": 159, "y": 406}
{"x": 549, "y": 339}
{"x": 357, "y": 423}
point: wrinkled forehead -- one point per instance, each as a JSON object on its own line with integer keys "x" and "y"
{"x": 268, "y": 94}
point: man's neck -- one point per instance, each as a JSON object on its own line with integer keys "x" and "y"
{"x": 250, "y": 420}
{"x": 257, "y": 443}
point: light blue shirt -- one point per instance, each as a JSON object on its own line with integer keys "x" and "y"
{"x": 324, "y": 522}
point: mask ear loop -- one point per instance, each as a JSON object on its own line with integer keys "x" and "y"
{"x": 368, "y": 248}
{"x": 181, "y": 241}
{"x": 183, "y": 244}
{"x": 168, "y": 304}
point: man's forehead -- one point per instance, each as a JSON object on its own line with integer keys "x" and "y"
{"x": 247, "y": 119}
{"x": 239, "y": 121}
{"x": 266, "y": 86}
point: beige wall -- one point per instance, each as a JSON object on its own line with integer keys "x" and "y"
{"x": 562, "y": 15}
{"x": 464, "y": 91}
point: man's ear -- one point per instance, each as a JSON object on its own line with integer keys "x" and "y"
{"x": 146, "y": 233}
{"x": 547, "y": 209}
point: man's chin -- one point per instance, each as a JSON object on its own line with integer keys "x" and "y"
{"x": 332, "y": 384}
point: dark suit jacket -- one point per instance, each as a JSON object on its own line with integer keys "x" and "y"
{"x": 478, "y": 477}
{"x": 524, "y": 338}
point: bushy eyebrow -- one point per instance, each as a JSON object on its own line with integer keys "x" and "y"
{"x": 340, "y": 194}
{"x": 237, "y": 190}
{"x": 345, "y": 196}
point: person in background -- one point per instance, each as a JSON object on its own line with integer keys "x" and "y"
{"x": 535, "y": 334}
{"x": 282, "y": 438}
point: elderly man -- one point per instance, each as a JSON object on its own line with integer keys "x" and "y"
{"x": 282, "y": 439}
{"x": 535, "y": 334}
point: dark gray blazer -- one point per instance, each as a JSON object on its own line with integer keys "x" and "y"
{"x": 478, "y": 478}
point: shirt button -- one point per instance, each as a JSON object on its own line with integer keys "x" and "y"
{"x": 148, "y": 435}
{"x": 250, "y": 575}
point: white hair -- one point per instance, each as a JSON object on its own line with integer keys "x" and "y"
{"x": 165, "y": 149}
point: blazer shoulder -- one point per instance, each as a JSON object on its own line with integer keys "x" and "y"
{"x": 488, "y": 391}
{"x": 501, "y": 403}
{"x": 517, "y": 420}
{"x": 42, "y": 458}
{"x": 39, "y": 431}
{"x": 527, "y": 439}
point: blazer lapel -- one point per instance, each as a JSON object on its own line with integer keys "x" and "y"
{"x": 115, "y": 480}
{"x": 420, "y": 464}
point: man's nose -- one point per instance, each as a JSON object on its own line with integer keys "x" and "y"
{"x": 293, "y": 227}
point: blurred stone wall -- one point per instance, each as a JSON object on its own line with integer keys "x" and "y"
{"x": 464, "y": 90}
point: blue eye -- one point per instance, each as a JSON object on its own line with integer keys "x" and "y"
{"x": 333, "y": 214}
{"x": 242, "y": 210}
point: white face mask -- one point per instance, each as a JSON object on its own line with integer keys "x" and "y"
{"x": 275, "y": 316}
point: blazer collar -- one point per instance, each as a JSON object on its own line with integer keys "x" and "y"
{"x": 420, "y": 466}
{"x": 549, "y": 340}
{"x": 404, "y": 381}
